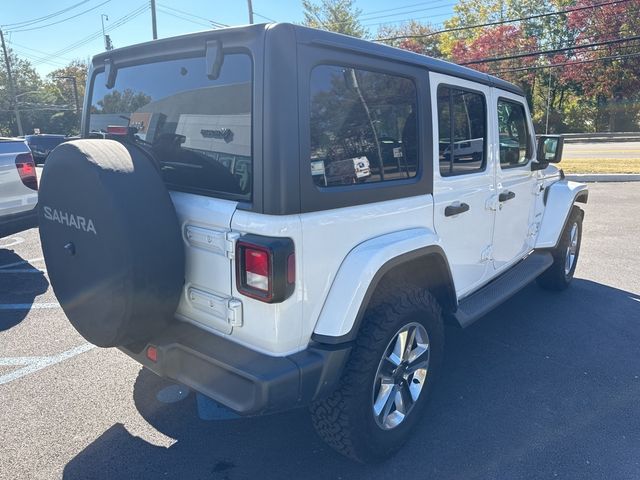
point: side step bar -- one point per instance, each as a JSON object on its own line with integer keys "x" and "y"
{"x": 506, "y": 285}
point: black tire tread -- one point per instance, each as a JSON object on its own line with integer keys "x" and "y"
{"x": 332, "y": 417}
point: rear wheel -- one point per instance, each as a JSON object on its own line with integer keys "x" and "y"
{"x": 387, "y": 380}
{"x": 565, "y": 255}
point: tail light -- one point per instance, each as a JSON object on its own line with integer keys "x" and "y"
{"x": 119, "y": 130}
{"x": 265, "y": 268}
{"x": 27, "y": 170}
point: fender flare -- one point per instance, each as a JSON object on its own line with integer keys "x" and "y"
{"x": 360, "y": 274}
{"x": 559, "y": 198}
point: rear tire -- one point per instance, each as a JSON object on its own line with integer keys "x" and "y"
{"x": 346, "y": 420}
{"x": 565, "y": 255}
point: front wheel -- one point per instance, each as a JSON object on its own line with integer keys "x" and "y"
{"x": 565, "y": 255}
{"x": 387, "y": 380}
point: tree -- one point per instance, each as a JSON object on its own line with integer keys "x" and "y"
{"x": 605, "y": 73}
{"x": 60, "y": 85}
{"x": 413, "y": 36}
{"x": 48, "y": 104}
{"x": 469, "y": 12}
{"x": 496, "y": 42}
{"x": 27, "y": 82}
{"x": 339, "y": 16}
{"x": 126, "y": 101}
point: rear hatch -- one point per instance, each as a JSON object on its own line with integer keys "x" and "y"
{"x": 198, "y": 127}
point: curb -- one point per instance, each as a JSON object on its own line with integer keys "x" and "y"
{"x": 604, "y": 177}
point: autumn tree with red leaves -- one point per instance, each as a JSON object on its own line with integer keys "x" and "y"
{"x": 570, "y": 88}
{"x": 498, "y": 42}
{"x": 609, "y": 73}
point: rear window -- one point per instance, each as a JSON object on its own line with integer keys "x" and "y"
{"x": 198, "y": 129}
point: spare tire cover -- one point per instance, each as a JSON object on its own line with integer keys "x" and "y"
{"x": 111, "y": 240}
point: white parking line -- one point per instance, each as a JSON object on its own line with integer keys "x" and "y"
{"x": 22, "y": 270}
{"x": 22, "y": 262}
{"x": 28, "y": 306}
{"x": 33, "y": 364}
{"x": 13, "y": 241}
{"x": 17, "y": 361}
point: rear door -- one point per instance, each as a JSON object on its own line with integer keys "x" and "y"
{"x": 198, "y": 129}
{"x": 463, "y": 177}
{"x": 516, "y": 184}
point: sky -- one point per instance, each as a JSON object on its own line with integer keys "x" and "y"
{"x": 77, "y": 32}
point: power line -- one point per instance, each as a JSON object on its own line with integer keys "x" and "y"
{"x": 262, "y": 16}
{"x": 211, "y": 23}
{"x": 45, "y": 17}
{"x": 36, "y": 51}
{"x": 360, "y": 18}
{"x": 191, "y": 15}
{"x": 48, "y": 61}
{"x": 412, "y": 11}
{"x": 175, "y": 15}
{"x": 564, "y": 64}
{"x": 555, "y": 50}
{"x": 412, "y": 19}
{"x": 615, "y": 33}
{"x": 501, "y": 22}
{"x": 394, "y": 9}
{"x": 60, "y": 21}
{"x": 117, "y": 23}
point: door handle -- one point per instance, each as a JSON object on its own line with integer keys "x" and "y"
{"x": 504, "y": 196}
{"x": 451, "y": 210}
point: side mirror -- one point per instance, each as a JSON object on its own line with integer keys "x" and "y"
{"x": 549, "y": 150}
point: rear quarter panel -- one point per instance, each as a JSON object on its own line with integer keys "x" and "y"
{"x": 15, "y": 197}
{"x": 323, "y": 241}
{"x": 331, "y": 237}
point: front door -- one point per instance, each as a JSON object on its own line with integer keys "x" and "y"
{"x": 464, "y": 178}
{"x": 516, "y": 183}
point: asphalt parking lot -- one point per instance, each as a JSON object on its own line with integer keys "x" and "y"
{"x": 546, "y": 386}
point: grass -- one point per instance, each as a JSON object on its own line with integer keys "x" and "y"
{"x": 600, "y": 165}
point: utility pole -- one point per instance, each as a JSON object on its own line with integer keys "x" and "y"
{"x": 12, "y": 90}
{"x": 107, "y": 41}
{"x": 154, "y": 27}
{"x": 546, "y": 128}
{"x": 250, "y": 5}
{"x": 75, "y": 91}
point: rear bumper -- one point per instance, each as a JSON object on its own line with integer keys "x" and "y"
{"x": 10, "y": 224}
{"x": 246, "y": 381}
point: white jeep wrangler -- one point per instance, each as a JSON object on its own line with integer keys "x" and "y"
{"x": 195, "y": 228}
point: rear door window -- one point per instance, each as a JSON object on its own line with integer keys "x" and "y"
{"x": 462, "y": 121}
{"x": 198, "y": 129}
{"x": 515, "y": 141}
{"x": 363, "y": 126}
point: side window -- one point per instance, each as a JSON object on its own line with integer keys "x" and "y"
{"x": 363, "y": 126}
{"x": 462, "y": 128}
{"x": 515, "y": 142}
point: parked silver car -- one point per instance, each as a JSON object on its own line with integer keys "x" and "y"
{"x": 18, "y": 187}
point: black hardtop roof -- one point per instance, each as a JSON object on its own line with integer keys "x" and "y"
{"x": 310, "y": 36}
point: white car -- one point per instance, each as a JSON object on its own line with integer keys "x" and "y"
{"x": 295, "y": 290}
{"x": 18, "y": 187}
